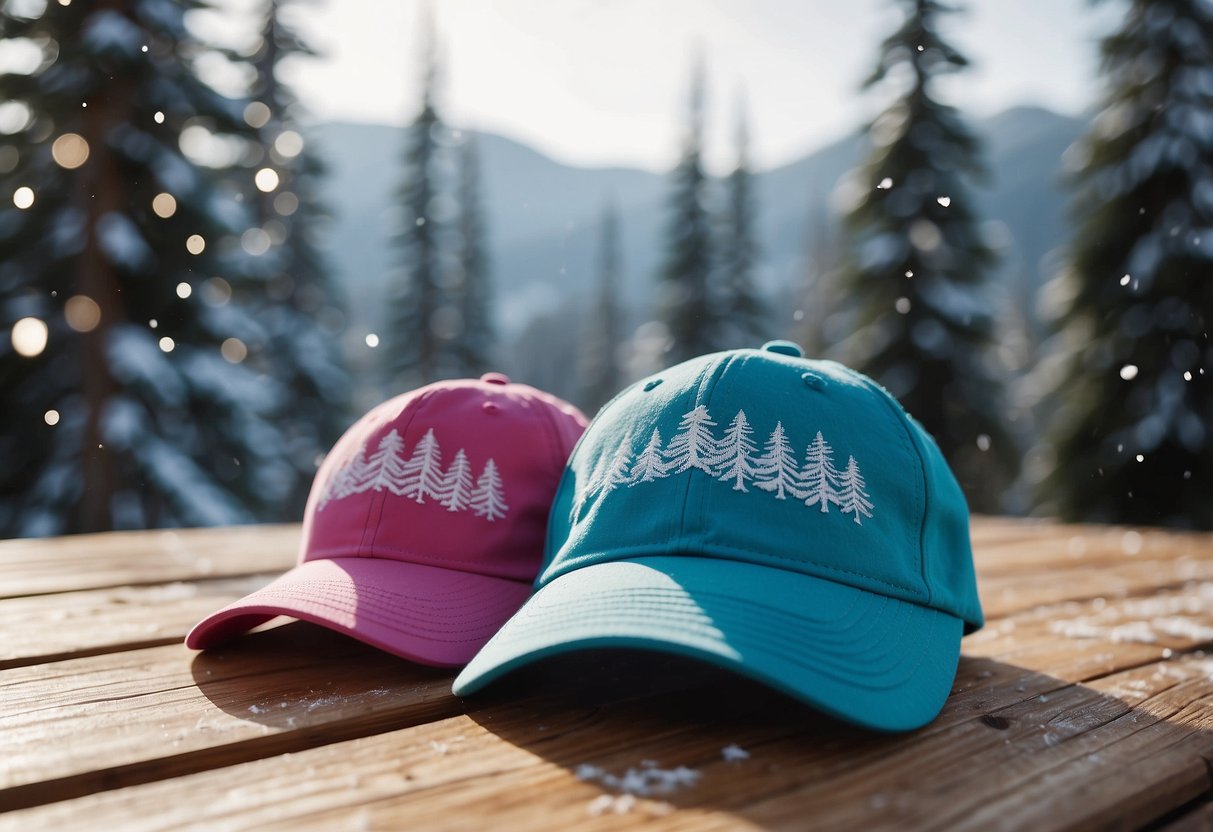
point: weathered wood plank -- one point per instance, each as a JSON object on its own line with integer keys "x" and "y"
{"x": 498, "y": 765}
{"x": 1002, "y": 596}
{"x": 46, "y": 628}
{"x": 96, "y": 561}
{"x": 1032, "y": 550}
{"x": 163, "y": 711}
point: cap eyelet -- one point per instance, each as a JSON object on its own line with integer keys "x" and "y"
{"x": 813, "y": 381}
{"x": 649, "y": 385}
{"x": 491, "y": 408}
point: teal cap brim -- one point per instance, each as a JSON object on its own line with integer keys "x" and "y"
{"x": 862, "y": 657}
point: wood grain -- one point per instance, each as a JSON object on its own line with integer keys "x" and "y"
{"x": 97, "y": 561}
{"x": 47, "y": 628}
{"x": 1086, "y": 703}
{"x": 163, "y": 711}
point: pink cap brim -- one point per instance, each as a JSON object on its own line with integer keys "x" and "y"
{"x": 435, "y": 616}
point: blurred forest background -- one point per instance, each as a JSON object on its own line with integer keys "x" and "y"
{"x": 199, "y": 289}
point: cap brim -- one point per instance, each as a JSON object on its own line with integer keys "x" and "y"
{"x": 866, "y": 658}
{"x": 427, "y": 614}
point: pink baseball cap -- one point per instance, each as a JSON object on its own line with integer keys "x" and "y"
{"x": 425, "y": 524}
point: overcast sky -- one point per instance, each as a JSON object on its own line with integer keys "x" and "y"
{"x": 602, "y": 82}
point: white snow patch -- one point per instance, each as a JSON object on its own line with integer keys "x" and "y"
{"x": 733, "y": 752}
{"x": 647, "y": 780}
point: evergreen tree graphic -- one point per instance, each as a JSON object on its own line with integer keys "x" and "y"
{"x": 351, "y": 478}
{"x": 694, "y": 446}
{"x": 650, "y": 465}
{"x": 775, "y": 470}
{"x": 820, "y": 478}
{"x": 457, "y": 485}
{"x": 385, "y": 466}
{"x": 854, "y": 498}
{"x": 616, "y": 473}
{"x": 422, "y": 475}
{"x": 735, "y": 456}
{"x": 487, "y": 500}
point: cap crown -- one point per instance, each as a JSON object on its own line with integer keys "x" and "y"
{"x": 772, "y": 459}
{"x": 458, "y": 474}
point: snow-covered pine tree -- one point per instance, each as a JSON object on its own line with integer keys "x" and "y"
{"x": 417, "y": 339}
{"x": 456, "y": 487}
{"x": 1133, "y": 439}
{"x": 742, "y": 314}
{"x": 735, "y": 459}
{"x": 296, "y": 301}
{"x": 599, "y": 359}
{"x": 917, "y": 264}
{"x": 693, "y": 446}
{"x": 385, "y": 468}
{"x": 650, "y": 465}
{"x": 685, "y": 304}
{"x": 776, "y": 470}
{"x": 854, "y": 499}
{"x": 134, "y": 411}
{"x": 616, "y": 472}
{"x": 422, "y": 475}
{"x": 488, "y": 500}
{"x": 473, "y": 345}
{"x": 819, "y": 476}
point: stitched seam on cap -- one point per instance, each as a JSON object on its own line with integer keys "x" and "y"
{"x": 715, "y": 381}
{"x": 364, "y": 544}
{"x": 551, "y": 437}
{"x": 722, "y": 552}
{"x": 705, "y": 378}
{"x": 920, "y": 487}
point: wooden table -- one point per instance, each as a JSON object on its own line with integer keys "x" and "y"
{"x": 1086, "y": 702}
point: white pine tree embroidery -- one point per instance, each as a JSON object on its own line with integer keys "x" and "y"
{"x": 457, "y": 485}
{"x": 487, "y": 500}
{"x": 349, "y": 479}
{"x": 616, "y": 472}
{"x": 819, "y": 476}
{"x": 421, "y": 476}
{"x": 385, "y": 468}
{"x": 735, "y": 455}
{"x": 776, "y": 468}
{"x": 650, "y": 465}
{"x": 854, "y": 498}
{"x": 695, "y": 446}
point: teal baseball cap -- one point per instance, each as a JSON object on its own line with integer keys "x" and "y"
{"x": 780, "y": 517}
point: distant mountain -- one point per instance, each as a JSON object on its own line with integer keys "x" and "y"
{"x": 543, "y": 215}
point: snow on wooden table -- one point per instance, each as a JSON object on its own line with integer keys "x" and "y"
{"x": 1086, "y": 702}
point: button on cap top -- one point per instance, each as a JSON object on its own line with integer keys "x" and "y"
{"x": 495, "y": 378}
{"x": 784, "y": 348}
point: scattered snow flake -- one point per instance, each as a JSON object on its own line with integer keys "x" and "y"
{"x": 440, "y": 748}
{"x": 1124, "y": 281}
{"x": 1128, "y": 372}
{"x": 885, "y": 184}
{"x": 600, "y": 805}
{"x": 945, "y": 201}
{"x": 983, "y": 441}
{"x": 643, "y": 781}
{"x": 734, "y": 752}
